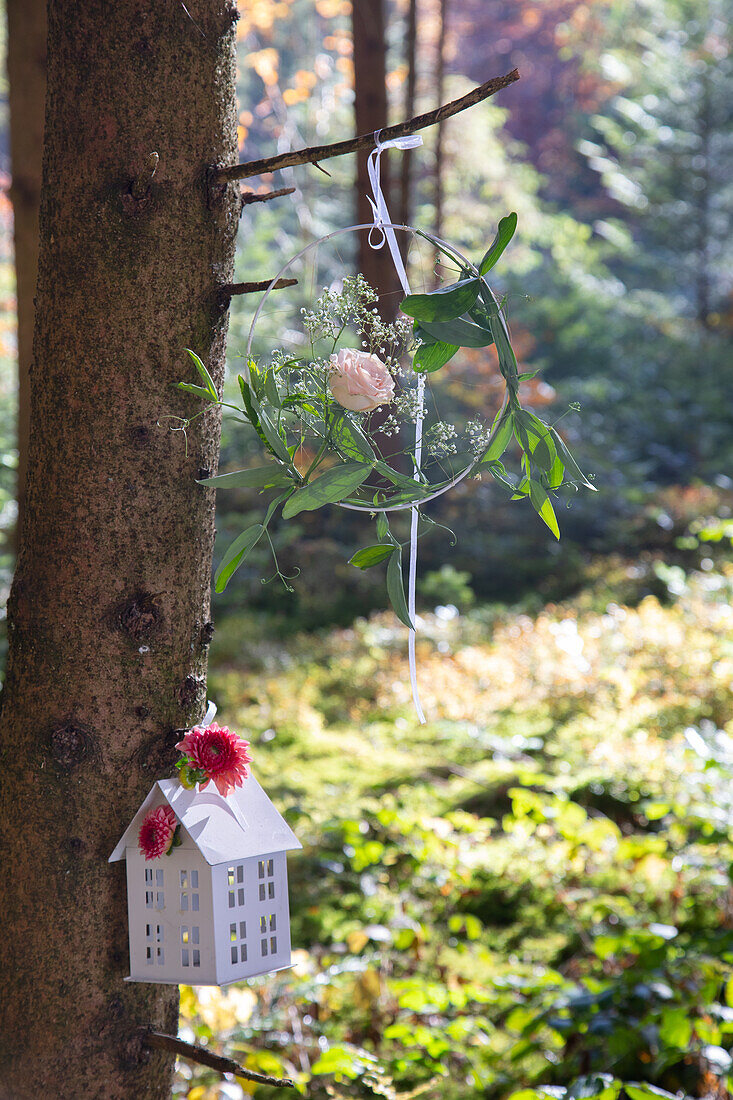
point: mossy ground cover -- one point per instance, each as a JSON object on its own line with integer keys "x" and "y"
{"x": 531, "y": 893}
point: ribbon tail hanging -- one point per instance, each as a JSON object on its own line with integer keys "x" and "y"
{"x": 383, "y": 225}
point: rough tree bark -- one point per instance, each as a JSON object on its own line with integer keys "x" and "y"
{"x": 26, "y": 102}
{"x": 108, "y": 614}
{"x": 370, "y": 108}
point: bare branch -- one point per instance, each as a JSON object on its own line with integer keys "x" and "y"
{"x": 194, "y": 1053}
{"x": 317, "y": 153}
{"x": 252, "y": 196}
{"x": 228, "y": 291}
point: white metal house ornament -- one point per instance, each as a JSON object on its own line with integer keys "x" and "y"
{"x": 215, "y": 910}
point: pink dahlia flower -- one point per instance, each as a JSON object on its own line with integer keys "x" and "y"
{"x": 220, "y": 754}
{"x": 156, "y": 832}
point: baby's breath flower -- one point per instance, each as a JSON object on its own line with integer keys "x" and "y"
{"x": 477, "y": 434}
{"x": 439, "y": 439}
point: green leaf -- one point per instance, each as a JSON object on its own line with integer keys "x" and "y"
{"x": 255, "y": 478}
{"x": 206, "y": 378}
{"x": 349, "y": 438}
{"x": 396, "y": 587}
{"x": 443, "y": 304}
{"x": 570, "y": 464}
{"x": 504, "y": 349}
{"x": 372, "y": 555}
{"x": 497, "y": 470}
{"x": 507, "y": 227}
{"x": 329, "y": 488}
{"x": 431, "y": 357}
{"x": 644, "y": 1091}
{"x": 236, "y": 554}
{"x": 271, "y": 391}
{"x": 462, "y": 333}
{"x": 251, "y": 407}
{"x": 545, "y": 452}
{"x": 675, "y": 1029}
{"x": 400, "y": 480}
{"x": 382, "y": 526}
{"x": 273, "y": 437}
{"x": 504, "y": 430}
{"x": 543, "y": 506}
{"x": 256, "y": 378}
{"x": 199, "y": 391}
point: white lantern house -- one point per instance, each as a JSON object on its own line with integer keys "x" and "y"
{"x": 215, "y": 910}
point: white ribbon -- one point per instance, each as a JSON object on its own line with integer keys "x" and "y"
{"x": 382, "y": 225}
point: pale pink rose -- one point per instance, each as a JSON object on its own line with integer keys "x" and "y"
{"x": 359, "y": 381}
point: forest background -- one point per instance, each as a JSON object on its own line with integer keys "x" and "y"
{"x": 532, "y": 893}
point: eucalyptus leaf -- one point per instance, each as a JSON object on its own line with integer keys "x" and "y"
{"x": 372, "y": 555}
{"x": 257, "y": 477}
{"x": 236, "y": 554}
{"x": 507, "y": 227}
{"x": 396, "y": 587}
{"x": 331, "y": 487}
{"x": 443, "y": 304}
{"x": 431, "y": 357}
{"x": 206, "y": 378}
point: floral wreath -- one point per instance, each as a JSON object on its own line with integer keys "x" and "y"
{"x": 320, "y": 417}
{"x": 322, "y": 405}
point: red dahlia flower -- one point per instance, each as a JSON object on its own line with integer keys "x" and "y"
{"x": 217, "y": 753}
{"x": 156, "y": 832}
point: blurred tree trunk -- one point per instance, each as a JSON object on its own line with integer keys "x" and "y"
{"x": 370, "y": 106}
{"x": 27, "y": 105}
{"x": 439, "y": 129}
{"x": 108, "y": 613}
{"x": 406, "y": 205}
{"x": 702, "y": 258}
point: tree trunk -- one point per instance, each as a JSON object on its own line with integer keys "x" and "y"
{"x": 370, "y": 107}
{"x": 439, "y": 133}
{"x": 108, "y": 613}
{"x": 26, "y": 102}
{"x": 404, "y": 214}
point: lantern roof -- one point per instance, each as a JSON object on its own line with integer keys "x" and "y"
{"x": 243, "y": 824}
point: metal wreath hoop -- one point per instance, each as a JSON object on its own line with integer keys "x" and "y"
{"x": 449, "y": 250}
